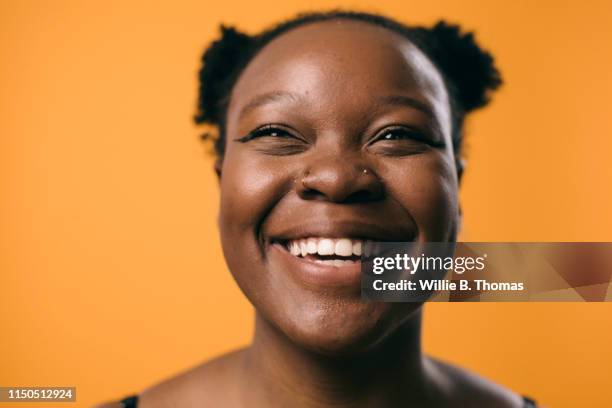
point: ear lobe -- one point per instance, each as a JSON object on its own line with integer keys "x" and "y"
{"x": 460, "y": 168}
{"x": 460, "y": 164}
{"x": 218, "y": 166}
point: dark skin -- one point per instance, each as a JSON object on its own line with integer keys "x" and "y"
{"x": 330, "y": 100}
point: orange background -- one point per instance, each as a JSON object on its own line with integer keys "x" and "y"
{"x": 111, "y": 275}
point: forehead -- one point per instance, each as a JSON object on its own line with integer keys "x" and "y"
{"x": 339, "y": 60}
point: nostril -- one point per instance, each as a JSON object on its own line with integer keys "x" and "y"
{"x": 360, "y": 196}
{"x": 339, "y": 181}
{"x": 310, "y": 193}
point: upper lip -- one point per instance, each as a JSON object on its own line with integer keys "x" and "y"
{"x": 347, "y": 228}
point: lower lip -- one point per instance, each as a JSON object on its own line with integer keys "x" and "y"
{"x": 315, "y": 273}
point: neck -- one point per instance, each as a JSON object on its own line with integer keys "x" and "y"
{"x": 281, "y": 373}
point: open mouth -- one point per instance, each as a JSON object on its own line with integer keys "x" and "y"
{"x": 327, "y": 251}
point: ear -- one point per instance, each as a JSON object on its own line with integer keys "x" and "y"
{"x": 218, "y": 166}
{"x": 460, "y": 168}
{"x": 460, "y": 164}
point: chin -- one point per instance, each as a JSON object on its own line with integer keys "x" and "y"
{"x": 341, "y": 328}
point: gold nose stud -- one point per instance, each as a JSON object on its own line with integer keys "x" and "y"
{"x": 304, "y": 175}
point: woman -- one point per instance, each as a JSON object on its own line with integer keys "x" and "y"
{"x": 334, "y": 128}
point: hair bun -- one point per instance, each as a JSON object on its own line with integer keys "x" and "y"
{"x": 470, "y": 70}
{"x": 218, "y": 67}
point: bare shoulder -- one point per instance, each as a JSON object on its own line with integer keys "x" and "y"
{"x": 208, "y": 384}
{"x": 471, "y": 389}
{"x": 109, "y": 405}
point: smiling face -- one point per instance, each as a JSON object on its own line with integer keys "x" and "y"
{"x": 337, "y": 132}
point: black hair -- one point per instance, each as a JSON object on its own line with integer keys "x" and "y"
{"x": 468, "y": 71}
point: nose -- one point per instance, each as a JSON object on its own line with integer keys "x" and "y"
{"x": 340, "y": 180}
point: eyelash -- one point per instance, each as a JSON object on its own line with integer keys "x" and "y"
{"x": 267, "y": 130}
{"x": 409, "y": 133}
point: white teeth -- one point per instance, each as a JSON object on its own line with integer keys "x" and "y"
{"x": 332, "y": 262}
{"x": 311, "y": 246}
{"x": 326, "y": 247}
{"x": 294, "y": 248}
{"x": 344, "y": 247}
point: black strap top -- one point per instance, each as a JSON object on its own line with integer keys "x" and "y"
{"x": 129, "y": 402}
{"x": 132, "y": 402}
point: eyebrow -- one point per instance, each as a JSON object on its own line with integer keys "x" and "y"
{"x": 266, "y": 98}
{"x": 276, "y": 96}
{"x": 403, "y": 100}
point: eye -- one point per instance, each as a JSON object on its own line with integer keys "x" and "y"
{"x": 396, "y": 134}
{"x": 403, "y": 133}
{"x": 267, "y": 131}
{"x": 402, "y": 141}
{"x": 275, "y": 140}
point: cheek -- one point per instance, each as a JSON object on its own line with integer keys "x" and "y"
{"x": 427, "y": 187}
{"x": 249, "y": 189}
